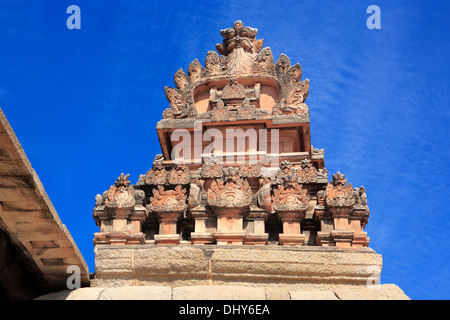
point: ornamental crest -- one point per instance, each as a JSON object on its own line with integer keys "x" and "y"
{"x": 339, "y": 194}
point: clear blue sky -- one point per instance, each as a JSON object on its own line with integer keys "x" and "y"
{"x": 84, "y": 104}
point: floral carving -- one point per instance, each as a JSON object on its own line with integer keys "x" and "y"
{"x": 239, "y": 37}
{"x": 290, "y": 197}
{"x": 121, "y": 194}
{"x": 264, "y": 194}
{"x": 195, "y": 193}
{"x": 286, "y": 173}
{"x": 180, "y": 174}
{"x": 309, "y": 174}
{"x": 293, "y": 91}
{"x": 306, "y": 173}
{"x": 168, "y": 200}
{"x": 233, "y": 90}
{"x": 246, "y": 111}
{"x": 181, "y": 105}
{"x": 220, "y": 112}
{"x": 248, "y": 170}
{"x": 232, "y": 191}
{"x": 338, "y": 193}
{"x": 211, "y": 170}
{"x": 156, "y": 175}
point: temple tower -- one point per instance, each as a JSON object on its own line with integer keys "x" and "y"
{"x": 238, "y": 187}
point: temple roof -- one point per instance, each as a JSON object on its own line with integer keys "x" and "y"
{"x": 30, "y": 227}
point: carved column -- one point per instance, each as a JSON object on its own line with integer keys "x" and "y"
{"x": 359, "y": 218}
{"x": 256, "y": 234}
{"x": 325, "y": 221}
{"x": 168, "y": 205}
{"x": 120, "y": 214}
{"x": 344, "y": 216}
{"x": 230, "y": 199}
{"x": 255, "y": 231}
{"x": 290, "y": 202}
{"x": 202, "y": 218}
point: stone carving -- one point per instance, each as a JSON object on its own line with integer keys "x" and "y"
{"x": 234, "y": 101}
{"x": 122, "y": 203}
{"x": 181, "y": 105}
{"x": 216, "y": 170}
{"x": 158, "y": 175}
{"x": 306, "y": 173}
{"x": 264, "y": 62}
{"x": 231, "y": 191}
{"x": 212, "y": 63}
{"x": 226, "y": 203}
{"x": 309, "y": 174}
{"x": 286, "y": 173}
{"x": 339, "y": 194}
{"x": 263, "y": 195}
{"x": 211, "y": 170}
{"x": 233, "y": 90}
{"x": 241, "y": 54}
{"x": 180, "y": 174}
{"x": 168, "y": 200}
{"x": 195, "y": 193}
{"x": 293, "y": 91}
{"x": 220, "y": 112}
{"x": 246, "y": 111}
{"x": 121, "y": 194}
{"x": 239, "y": 37}
{"x": 239, "y": 48}
{"x": 248, "y": 170}
{"x": 361, "y": 208}
{"x": 195, "y": 70}
{"x": 290, "y": 198}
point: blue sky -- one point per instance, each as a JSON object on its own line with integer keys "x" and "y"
{"x": 84, "y": 104}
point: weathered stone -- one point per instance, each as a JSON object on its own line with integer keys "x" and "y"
{"x": 218, "y": 293}
{"x": 375, "y": 292}
{"x": 248, "y": 265}
{"x": 260, "y": 213}
{"x": 313, "y": 295}
{"x": 228, "y": 292}
{"x": 136, "y": 293}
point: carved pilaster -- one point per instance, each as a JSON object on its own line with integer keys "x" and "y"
{"x": 230, "y": 198}
{"x": 202, "y": 218}
{"x": 120, "y": 213}
{"x": 343, "y": 219}
{"x": 168, "y": 205}
{"x": 290, "y": 201}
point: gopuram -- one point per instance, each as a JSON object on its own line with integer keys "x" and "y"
{"x": 238, "y": 199}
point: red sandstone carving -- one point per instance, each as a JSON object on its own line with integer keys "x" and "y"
{"x": 120, "y": 214}
{"x": 240, "y": 87}
{"x": 168, "y": 205}
{"x": 230, "y": 192}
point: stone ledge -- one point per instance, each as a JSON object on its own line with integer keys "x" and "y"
{"x": 382, "y": 292}
{"x": 191, "y": 265}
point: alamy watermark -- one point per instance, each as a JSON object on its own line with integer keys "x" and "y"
{"x": 74, "y": 280}
{"x": 74, "y": 20}
{"x": 228, "y": 146}
{"x": 374, "y": 20}
{"x": 373, "y": 281}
